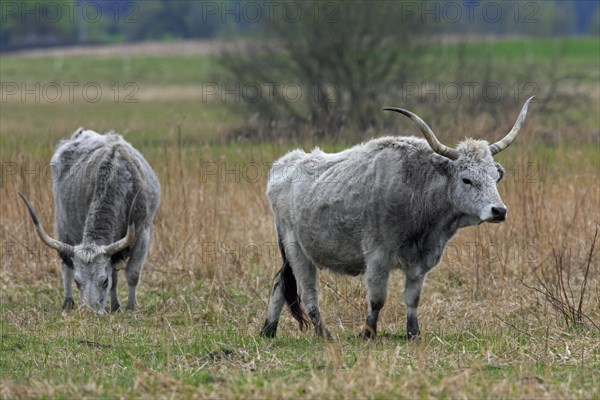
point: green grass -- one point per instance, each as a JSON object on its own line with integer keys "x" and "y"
{"x": 573, "y": 50}
{"x": 137, "y": 354}
{"x": 175, "y": 70}
{"x": 147, "y": 123}
{"x": 195, "y": 70}
{"x": 573, "y": 58}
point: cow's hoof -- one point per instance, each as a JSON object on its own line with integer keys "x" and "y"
{"x": 114, "y": 307}
{"x": 269, "y": 329}
{"x": 412, "y": 328}
{"x": 368, "y": 333}
{"x": 68, "y": 304}
{"x": 413, "y": 335}
{"x": 323, "y": 333}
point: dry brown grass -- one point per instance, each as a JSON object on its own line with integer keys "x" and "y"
{"x": 204, "y": 291}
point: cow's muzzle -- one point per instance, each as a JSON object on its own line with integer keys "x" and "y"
{"x": 498, "y": 214}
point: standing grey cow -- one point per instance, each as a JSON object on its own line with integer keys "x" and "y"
{"x": 105, "y": 195}
{"x": 392, "y": 202}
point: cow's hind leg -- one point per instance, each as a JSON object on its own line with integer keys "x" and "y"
{"x": 135, "y": 264}
{"x": 284, "y": 291}
{"x": 276, "y": 303}
{"x": 306, "y": 276}
{"x": 376, "y": 279}
{"x": 412, "y": 294}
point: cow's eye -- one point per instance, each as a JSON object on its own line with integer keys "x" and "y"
{"x": 105, "y": 284}
{"x": 467, "y": 181}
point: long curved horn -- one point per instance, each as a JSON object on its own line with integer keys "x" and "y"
{"x": 510, "y": 137}
{"x": 61, "y": 247}
{"x": 435, "y": 144}
{"x": 122, "y": 244}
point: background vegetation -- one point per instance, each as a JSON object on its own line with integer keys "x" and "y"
{"x": 35, "y": 23}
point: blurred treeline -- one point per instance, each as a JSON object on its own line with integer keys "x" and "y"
{"x": 34, "y": 23}
{"x": 325, "y": 68}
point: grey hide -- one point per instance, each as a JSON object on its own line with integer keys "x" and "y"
{"x": 95, "y": 180}
{"x": 389, "y": 203}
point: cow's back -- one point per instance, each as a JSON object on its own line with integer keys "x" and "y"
{"x": 94, "y": 180}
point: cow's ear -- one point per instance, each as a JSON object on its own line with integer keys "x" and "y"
{"x": 500, "y": 171}
{"x": 442, "y": 164}
{"x": 67, "y": 260}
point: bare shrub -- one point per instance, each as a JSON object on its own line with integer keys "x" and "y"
{"x": 337, "y": 60}
{"x": 556, "y": 284}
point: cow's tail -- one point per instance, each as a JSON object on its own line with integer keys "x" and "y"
{"x": 290, "y": 289}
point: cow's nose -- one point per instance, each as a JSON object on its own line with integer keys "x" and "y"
{"x": 499, "y": 213}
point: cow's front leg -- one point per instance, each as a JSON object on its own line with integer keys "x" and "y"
{"x": 114, "y": 299}
{"x": 132, "y": 273}
{"x": 376, "y": 278}
{"x": 412, "y": 294}
{"x": 67, "y": 274}
{"x": 135, "y": 264}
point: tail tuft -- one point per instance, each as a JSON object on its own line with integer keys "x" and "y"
{"x": 290, "y": 294}
{"x": 290, "y": 289}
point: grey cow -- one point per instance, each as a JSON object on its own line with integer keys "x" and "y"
{"x": 392, "y": 202}
{"x": 105, "y": 195}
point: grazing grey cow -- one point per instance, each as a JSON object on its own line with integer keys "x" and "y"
{"x": 392, "y": 202}
{"x": 105, "y": 195}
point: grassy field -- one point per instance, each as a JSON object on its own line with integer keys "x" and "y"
{"x": 204, "y": 289}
